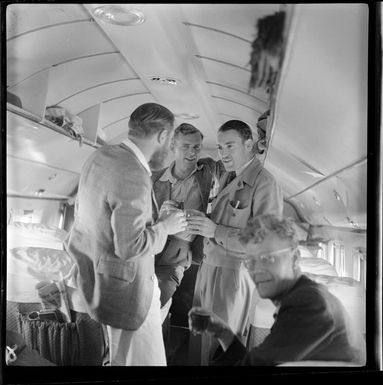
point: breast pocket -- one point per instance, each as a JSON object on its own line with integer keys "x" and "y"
{"x": 239, "y": 216}
{"x": 122, "y": 270}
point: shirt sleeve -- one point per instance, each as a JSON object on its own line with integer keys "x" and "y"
{"x": 130, "y": 202}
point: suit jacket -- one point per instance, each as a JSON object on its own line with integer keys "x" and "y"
{"x": 253, "y": 192}
{"x": 311, "y": 325}
{"x": 113, "y": 239}
{"x": 204, "y": 178}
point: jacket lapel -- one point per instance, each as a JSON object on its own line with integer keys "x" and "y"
{"x": 161, "y": 192}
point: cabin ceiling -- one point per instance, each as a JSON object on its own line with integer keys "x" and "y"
{"x": 60, "y": 54}
{"x": 204, "y": 47}
{"x": 318, "y": 145}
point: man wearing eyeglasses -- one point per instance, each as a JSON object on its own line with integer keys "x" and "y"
{"x": 310, "y": 323}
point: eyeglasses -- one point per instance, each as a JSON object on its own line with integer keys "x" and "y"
{"x": 265, "y": 259}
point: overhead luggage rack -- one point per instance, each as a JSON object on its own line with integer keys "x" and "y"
{"x": 38, "y": 121}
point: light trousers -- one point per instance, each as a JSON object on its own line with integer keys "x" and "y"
{"x": 141, "y": 347}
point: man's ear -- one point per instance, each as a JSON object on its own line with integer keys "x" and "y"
{"x": 171, "y": 146}
{"x": 249, "y": 145}
{"x": 162, "y": 136}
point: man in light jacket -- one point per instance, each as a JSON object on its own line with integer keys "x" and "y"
{"x": 246, "y": 190}
{"x": 114, "y": 238}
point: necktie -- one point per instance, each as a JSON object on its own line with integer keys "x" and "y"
{"x": 230, "y": 177}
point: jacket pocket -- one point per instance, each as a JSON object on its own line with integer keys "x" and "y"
{"x": 238, "y": 217}
{"x": 125, "y": 271}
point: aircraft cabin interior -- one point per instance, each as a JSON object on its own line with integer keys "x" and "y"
{"x": 76, "y": 72}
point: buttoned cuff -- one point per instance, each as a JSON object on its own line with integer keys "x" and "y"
{"x": 221, "y": 234}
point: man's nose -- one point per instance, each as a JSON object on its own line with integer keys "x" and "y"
{"x": 255, "y": 266}
{"x": 223, "y": 152}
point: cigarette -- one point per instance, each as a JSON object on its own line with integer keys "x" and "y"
{"x": 236, "y": 205}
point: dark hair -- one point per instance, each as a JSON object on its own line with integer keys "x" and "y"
{"x": 261, "y": 131}
{"x": 242, "y": 128}
{"x": 261, "y": 119}
{"x": 149, "y": 119}
{"x": 186, "y": 129}
{"x": 259, "y": 227}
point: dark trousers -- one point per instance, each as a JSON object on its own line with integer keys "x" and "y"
{"x": 170, "y": 265}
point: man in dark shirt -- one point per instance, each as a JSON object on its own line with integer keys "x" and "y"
{"x": 188, "y": 180}
{"x": 310, "y": 323}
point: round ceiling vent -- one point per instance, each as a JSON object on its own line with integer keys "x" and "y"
{"x": 119, "y": 14}
{"x": 163, "y": 80}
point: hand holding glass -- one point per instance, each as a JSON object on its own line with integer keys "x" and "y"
{"x": 199, "y": 320}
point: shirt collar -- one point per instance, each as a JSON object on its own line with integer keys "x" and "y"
{"x": 242, "y": 168}
{"x": 168, "y": 176}
{"x": 250, "y": 173}
{"x": 140, "y": 156}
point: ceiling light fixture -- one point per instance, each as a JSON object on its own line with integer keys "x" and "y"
{"x": 40, "y": 192}
{"x": 163, "y": 80}
{"x": 186, "y": 116}
{"x": 119, "y": 15}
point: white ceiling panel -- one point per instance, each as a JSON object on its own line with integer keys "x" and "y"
{"x": 238, "y": 96}
{"x": 74, "y": 77}
{"x": 335, "y": 94}
{"x": 121, "y": 108}
{"x": 39, "y": 49}
{"x": 223, "y": 47}
{"x": 236, "y": 19}
{"x": 23, "y": 18}
{"x": 104, "y": 93}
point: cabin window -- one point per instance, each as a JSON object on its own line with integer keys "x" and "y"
{"x": 321, "y": 251}
{"x": 338, "y": 254}
{"x": 359, "y": 266}
{"x": 335, "y": 254}
{"x": 62, "y": 216}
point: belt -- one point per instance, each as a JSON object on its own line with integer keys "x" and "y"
{"x": 178, "y": 242}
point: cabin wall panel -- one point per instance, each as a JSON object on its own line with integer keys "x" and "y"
{"x": 46, "y": 212}
{"x": 30, "y": 141}
{"x": 27, "y": 178}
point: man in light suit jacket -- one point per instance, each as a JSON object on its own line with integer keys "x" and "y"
{"x": 246, "y": 190}
{"x": 114, "y": 238}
